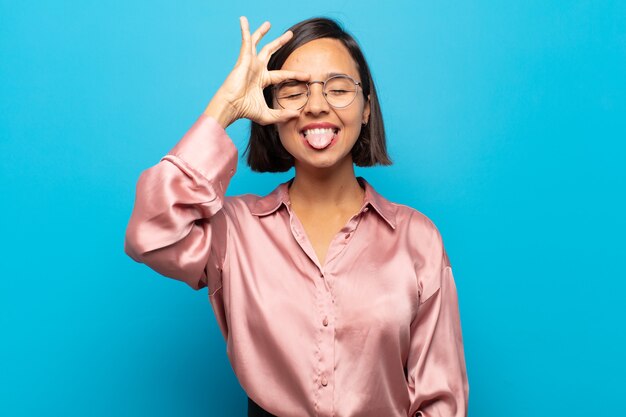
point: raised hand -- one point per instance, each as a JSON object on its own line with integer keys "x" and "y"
{"x": 241, "y": 94}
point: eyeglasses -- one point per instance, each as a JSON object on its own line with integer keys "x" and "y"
{"x": 338, "y": 90}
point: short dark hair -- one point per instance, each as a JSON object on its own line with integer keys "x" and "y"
{"x": 265, "y": 152}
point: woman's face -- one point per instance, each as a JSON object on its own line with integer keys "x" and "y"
{"x": 320, "y": 58}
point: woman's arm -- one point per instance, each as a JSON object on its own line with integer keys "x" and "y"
{"x": 175, "y": 227}
{"x": 170, "y": 228}
{"x": 437, "y": 374}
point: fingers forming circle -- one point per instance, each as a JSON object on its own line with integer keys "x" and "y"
{"x": 278, "y": 76}
{"x": 279, "y": 116}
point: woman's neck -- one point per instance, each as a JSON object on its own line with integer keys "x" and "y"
{"x": 335, "y": 187}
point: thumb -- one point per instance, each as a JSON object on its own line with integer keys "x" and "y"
{"x": 283, "y": 115}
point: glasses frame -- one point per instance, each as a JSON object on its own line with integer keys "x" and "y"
{"x": 357, "y": 84}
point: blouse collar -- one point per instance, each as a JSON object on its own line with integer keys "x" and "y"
{"x": 280, "y": 196}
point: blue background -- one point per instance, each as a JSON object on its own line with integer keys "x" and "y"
{"x": 506, "y": 122}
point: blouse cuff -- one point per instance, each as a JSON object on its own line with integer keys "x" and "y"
{"x": 207, "y": 149}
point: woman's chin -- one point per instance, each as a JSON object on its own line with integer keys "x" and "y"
{"x": 323, "y": 160}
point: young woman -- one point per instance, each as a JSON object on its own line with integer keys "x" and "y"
{"x": 332, "y": 300}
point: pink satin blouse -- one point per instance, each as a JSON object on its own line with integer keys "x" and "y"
{"x": 374, "y": 332}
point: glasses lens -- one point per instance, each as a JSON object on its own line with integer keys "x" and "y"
{"x": 340, "y": 91}
{"x": 291, "y": 94}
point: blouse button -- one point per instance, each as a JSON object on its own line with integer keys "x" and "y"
{"x": 347, "y": 235}
{"x": 324, "y": 381}
{"x": 325, "y": 322}
{"x": 366, "y": 209}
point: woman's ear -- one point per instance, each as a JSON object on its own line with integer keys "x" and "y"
{"x": 366, "y": 111}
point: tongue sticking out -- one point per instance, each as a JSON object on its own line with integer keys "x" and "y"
{"x": 320, "y": 140}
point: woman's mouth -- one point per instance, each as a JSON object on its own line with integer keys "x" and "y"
{"x": 320, "y": 138}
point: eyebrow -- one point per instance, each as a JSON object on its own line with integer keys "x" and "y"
{"x": 332, "y": 74}
{"x": 327, "y": 75}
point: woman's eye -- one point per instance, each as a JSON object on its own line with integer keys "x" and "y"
{"x": 293, "y": 96}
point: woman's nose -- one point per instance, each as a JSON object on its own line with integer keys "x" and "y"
{"x": 316, "y": 103}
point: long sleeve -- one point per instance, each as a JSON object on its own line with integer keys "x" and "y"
{"x": 174, "y": 228}
{"x": 437, "y": 374}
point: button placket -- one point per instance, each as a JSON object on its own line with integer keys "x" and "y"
{"x": 325, "y": 348}
{"x": 326, "y": 342}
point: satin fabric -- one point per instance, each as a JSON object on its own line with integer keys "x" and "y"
{"x": 373, "y": 332}
{"x": 255, "y": 411}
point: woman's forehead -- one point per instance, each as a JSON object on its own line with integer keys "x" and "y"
{"x": 322, "y": 58}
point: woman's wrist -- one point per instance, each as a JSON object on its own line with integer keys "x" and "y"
{"x": 221, "y": 110}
